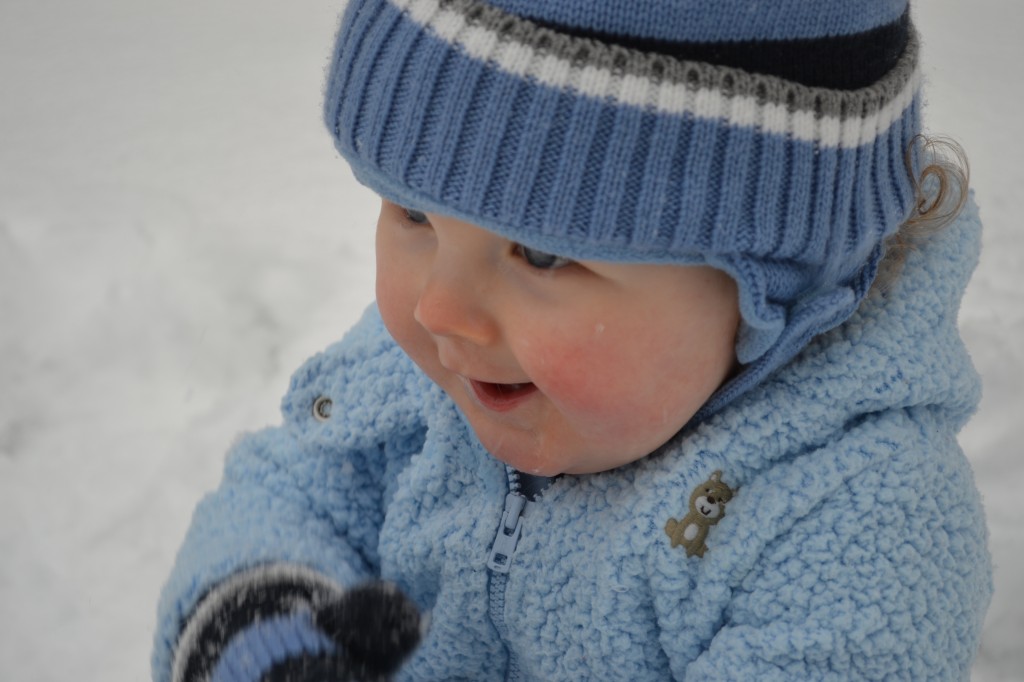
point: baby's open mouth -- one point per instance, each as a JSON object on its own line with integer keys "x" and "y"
{"x": 506, "y": 389}
{"x": 501, "y": 396}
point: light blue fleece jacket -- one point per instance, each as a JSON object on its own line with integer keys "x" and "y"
{"x": 854, "y": 546}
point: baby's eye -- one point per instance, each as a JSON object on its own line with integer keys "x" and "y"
{"x": 540, "y": 259}
{"x": 418, "y": 217}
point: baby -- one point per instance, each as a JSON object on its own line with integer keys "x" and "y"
{"x": 633, "y": 402}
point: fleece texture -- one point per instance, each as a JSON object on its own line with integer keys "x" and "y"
{"x": 853, "y": 547}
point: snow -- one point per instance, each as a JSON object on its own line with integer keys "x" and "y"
{"x": 177, "y": 234}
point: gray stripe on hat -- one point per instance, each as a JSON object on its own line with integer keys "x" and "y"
{"x": 829, "y": 118}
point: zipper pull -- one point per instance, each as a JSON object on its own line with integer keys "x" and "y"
{"x": 508, "y": 534}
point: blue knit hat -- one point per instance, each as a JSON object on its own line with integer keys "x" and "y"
{"x": 766, "y": 139}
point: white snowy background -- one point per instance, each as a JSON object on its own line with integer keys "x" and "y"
{"x": 177, "y": 234}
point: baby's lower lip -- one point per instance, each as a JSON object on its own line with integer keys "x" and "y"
{"x": 501, "y": 397}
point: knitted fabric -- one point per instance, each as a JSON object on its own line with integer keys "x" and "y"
{"x": 768, "y": 143}
{"x": 853, "y": 547}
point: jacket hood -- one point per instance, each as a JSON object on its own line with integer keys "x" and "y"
{"x": 900, "y": 350}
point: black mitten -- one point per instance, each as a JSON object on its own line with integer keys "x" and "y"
{"x": 286, "y": 623}
{"x": 375, "y": 626}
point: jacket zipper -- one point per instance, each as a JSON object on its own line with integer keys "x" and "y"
{"x": 500, "y": 561}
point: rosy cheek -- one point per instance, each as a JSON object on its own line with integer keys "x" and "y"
{"x": 585, "y": 380}
{"x": 618, "y": 392}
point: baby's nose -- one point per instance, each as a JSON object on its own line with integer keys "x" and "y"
{"x": 449, "y": 307}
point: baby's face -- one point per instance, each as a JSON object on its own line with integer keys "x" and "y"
{"x": 559, "y": 366}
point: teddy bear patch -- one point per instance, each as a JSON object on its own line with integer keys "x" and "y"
{"x": 707, "y": 507}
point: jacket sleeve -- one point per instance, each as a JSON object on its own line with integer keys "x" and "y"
{"x": 870, "y": 564}
{"x": 294, "y": 524}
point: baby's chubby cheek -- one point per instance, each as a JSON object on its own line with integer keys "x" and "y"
{"x": 589, "y": 381}
{"x": 616, "y": 386}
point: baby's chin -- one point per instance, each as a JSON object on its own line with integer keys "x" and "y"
{"x": 529, "y": 439}
{"x": 526, "y": 462}
{"x": 537, "y": 462}
{"x": 519, "y": 453}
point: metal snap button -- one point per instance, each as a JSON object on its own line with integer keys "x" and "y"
{"x": 322, "y": 408}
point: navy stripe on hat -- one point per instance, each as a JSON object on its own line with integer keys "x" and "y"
{"x": 842, "y": 62}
